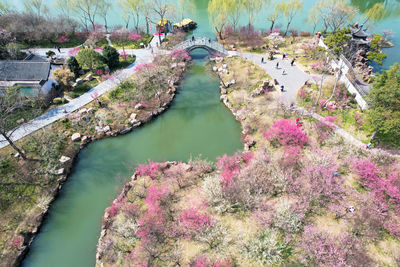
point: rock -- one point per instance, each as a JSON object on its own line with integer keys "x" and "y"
{"x": 76, "y": 137}
{"x": 74, "y": 84}
{"x": 89, "y": 77}
{"x": 107, "y": 129}
{"x": 139, "y": 106}
{"x": 82, "y": 111}
{"x": 98, "y": 128}
{"x": 137, "y": 124}
{"x": 215, "y": 69}
{"x": 182, "y": 64}
{"x": 233, "y": 81}
{"x": 79, "y": 81}
{"x": 16, "y": 155}
{"x": 84, "y": 139}
{"x": 174, "y": 65}
{"x": 223, "y": 91}
{"x": 225, "y": 66}
{"x": 91, "y": 111}
{"x": 126, "y": 130}
{"x": 60, "y": 171}
{"x": 64, "y": 159}
{"x": 219, "y": 59}
{"x": 219, "y": 69}
{"x": 20, "y": 121}
{"x": 133, "y": 116}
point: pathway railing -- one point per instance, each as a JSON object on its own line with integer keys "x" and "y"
{"x": 202, "y": 42}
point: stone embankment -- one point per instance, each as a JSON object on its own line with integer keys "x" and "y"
{"x": 140, "y": 116}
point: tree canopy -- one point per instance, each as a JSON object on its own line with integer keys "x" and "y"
{"x": 111, "y": 56}
{"x": 89, "y": 59}
{"x": 218, "y": 14}
{"x": 384, "y": 112}
{"x": 289, "y": 10}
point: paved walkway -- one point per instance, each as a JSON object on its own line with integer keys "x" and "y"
{"x": 142, "y": 56}
{"x": 292, "y": 81}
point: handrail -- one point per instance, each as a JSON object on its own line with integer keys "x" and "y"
{"x": 202, "y": 41}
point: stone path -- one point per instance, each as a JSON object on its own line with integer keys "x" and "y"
{"x": 292, "y": 81}
{"x": 142, "y": 56}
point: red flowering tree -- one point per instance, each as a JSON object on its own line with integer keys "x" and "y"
{"x": 151, "y": 169}
{"x": 285, "y": 132}
{"x": 193, "y": 221}
{"x": 230, "y": 166}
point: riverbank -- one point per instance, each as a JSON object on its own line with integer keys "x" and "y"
{"x": 295, "y": 187}
{"x": 57, "y": 146}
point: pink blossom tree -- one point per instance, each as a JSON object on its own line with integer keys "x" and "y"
{"x": 285, "y": 132}
{"x": 151, "y": 169}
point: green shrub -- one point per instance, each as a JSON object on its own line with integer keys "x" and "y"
{"x": 90, "y": 59}
{"x": 57, "y": 101}
{"x": 73, "y": 65}
{"x": 50, "y": 53}
{"x": 111, "y": 56}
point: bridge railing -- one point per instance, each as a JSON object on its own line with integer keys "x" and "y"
{"x": 202, "y": 42}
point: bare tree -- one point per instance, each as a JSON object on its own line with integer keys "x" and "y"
{"x": 335, "y": 13}
{"x": 133, "y": 8}
{"x": 162, "y": 9}
{"x": 103, "y": 12}
{"x": 37, "y": 7}
{"x": 5, "y": 7}
{"x": 87, "y": 10}
{"x": 10, "y": 103}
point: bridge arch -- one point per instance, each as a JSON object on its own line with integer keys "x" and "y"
{"x": 202, "y": 43}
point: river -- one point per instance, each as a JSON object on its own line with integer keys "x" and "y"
{"x": 197, "y": 123}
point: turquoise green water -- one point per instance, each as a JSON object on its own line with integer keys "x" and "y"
{"x": 392, "y": 20}
{"x": 196, "y": 123}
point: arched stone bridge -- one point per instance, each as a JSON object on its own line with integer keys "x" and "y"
{"x": 204, "y": 43}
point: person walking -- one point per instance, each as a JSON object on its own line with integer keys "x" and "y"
{"x": 262, "y": 60}
{"x": 292, "y": 62}
{"x": 192, "y": 38}
{"x": 58, "y": 48}
{"x": 277, "y": 65}
{"x": 284, "y": 72}
{"x": 276, "y": 82}
{"x": 282, "y": 88}
{"x": 284, "y": 56}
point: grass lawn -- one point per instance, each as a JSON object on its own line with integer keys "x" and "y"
{"x": 82, "y": 88}
{"x": 125, "y": 63}
{"x": 45, "y": 43}
{"x": 129, "y": 44}
{"x": 102, "y": 43}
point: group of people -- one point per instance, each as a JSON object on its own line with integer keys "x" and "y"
{"x": 277, "y": 67}
{"x": 193, "y": 39}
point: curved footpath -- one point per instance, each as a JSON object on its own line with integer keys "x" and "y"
{"x": 292, "y": 81}
{"x": 142, "y": 56}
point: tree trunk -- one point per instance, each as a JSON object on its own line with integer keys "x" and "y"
{"x": 334, "y": 88}
{"x": 105, "y": 24}
{"x": 287, "y": 28}
{"x": 320, "y": 91}
{"x": 147, "y": 25}
{"x": 22, "y": 154}
{"x": 272, "y": 25}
